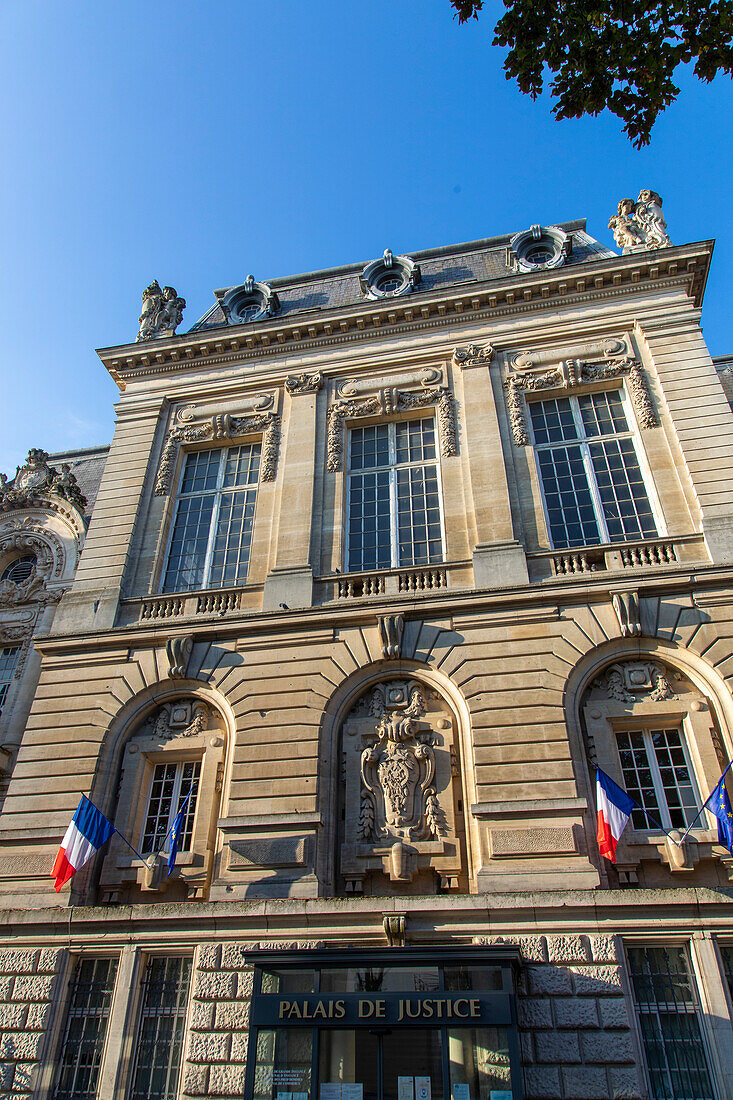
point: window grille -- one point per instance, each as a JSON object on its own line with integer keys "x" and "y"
{"x": 8, "y": 661}
{"x": 591, "y": 476}
{"x": 85, "y": 1030}
{"x": 161, "y": 1023}
{"x": 658, "y": 776}
{"x": 393, "y": 495}
{"x": 212, "y": 533}
{"x": 20, "y": 570}
{"x": 668, "y": 1012}
{"x": 169, "y": 787}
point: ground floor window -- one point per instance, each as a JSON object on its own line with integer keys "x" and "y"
{"x": 161, "y": 1021}
{"x": 668, "y": 1012}
{"x": 427, "y": 1031}
{"x": 85, "y": 1029}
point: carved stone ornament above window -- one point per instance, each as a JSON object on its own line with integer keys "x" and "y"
{"x": 636, "y": 681}
{"x": 389, "y": 276}
{"x": 382, "y": 397}
{"x": 183, "y": 718}
{"x": 401, "y": 806}
{"x": 251, "y": 301}
{"x": 570, "y": 375}
{"x": 539, "y": 248}
{"x": 36, "y": 479}
{"x": 196, "y": 425}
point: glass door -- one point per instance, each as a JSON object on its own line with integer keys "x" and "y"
{"x": 412, "y": 1064}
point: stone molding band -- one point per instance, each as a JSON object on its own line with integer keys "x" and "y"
{"x": 221, "y": 427}
{"x": 386, "y": 402}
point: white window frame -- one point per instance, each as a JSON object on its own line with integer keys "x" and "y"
{"x": 391, "y": 469}
{"x": 582, "y": 441}
{"x": 646, "y": 727}
{"x": 175, "y": 798}
{"x": 218, "y": 492}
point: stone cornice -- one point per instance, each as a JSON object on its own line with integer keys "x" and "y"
{"x": 450, "y": 920}
{"x": 685, "y": 267}
{"x": 453, "y": 604}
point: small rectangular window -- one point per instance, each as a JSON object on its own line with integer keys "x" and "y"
{"x": 658, "y": 776}
{"x": 668, "y": 1012}
{"x": 85, "y": 1030}
{"x": 590, "y": 471}
{"x": 8, "y": 662}
{"x": 161, "y": 1023}
{"x": 393, "y": 496}
{"x": 212, "y": 532}
{"x": 169, "y": 788}
{"x": 726, "y": 954}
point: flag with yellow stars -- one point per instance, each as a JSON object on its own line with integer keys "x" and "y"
{"x": 719, "y": 803}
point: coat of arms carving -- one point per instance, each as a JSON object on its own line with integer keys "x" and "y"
{"x": 401, "y": 813}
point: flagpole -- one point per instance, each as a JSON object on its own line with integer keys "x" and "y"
{"x": 708, "y": 798}
{"x": 178, "y": 811}
{"x": 132, "y": 849}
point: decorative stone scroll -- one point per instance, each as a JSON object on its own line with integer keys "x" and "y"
{"x": 387, "y": 400}
{"x": 473, "y": 355}
{"x": 570, "y": 374}
{"x": 183, "y": 718}
{"x": 221, "y": 426}
{"x": 391, "y": 628}
{"x": 304, "y": 383}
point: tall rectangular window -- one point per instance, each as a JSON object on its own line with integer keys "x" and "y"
{"x": 212, "y": 532}
{"x": 591, "y": 477}
{"x": 668, "y": 1012}
{"x": 8, "y": 661}
{"x": 161, "y": 1023}
{"x": 393, "y": 496}
{"x": 657, "y": 775}
{"x": 85, "y": 1030}
{"x": 726, "y": 954}
{"x": 169, "y": 789}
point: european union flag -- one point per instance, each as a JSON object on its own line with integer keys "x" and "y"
{"x": 176, "y": 837}
{"x": 720, "y": 805}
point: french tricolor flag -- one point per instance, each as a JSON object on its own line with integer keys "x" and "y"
{"x": 88, "y": 831}
{"x": 614, "y": 810}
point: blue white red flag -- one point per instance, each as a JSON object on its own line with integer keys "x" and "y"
{"x": 88, "y": 831}
{"x": 614, "y": 810}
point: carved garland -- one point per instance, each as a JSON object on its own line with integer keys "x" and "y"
{"x": 222, "y": 427}
{"x": 568, "y": 375}
{"x": 389, "y": 401}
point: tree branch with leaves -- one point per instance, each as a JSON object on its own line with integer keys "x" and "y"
{"x": 614, "y": 54}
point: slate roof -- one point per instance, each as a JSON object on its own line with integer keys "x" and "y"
{"x": 442, "y": 268}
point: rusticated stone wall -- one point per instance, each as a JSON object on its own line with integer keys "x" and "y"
{"x": 27, "y": 990}
{"x": 575, "y": 1030}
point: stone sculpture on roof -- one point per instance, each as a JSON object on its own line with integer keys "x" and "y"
{"x": 640, "y": 225}
{"x": 162, "y": 312}
{"x": 36, "y": 478}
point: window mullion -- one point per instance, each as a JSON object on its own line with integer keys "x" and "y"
{"x": 393, "y": 532}
{"x": 657, "y": 779}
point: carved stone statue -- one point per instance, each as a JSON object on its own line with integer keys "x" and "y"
{"x": 162, "y": 312}
{"x": 36, "y": 478}
{"x": 640, "y": 225}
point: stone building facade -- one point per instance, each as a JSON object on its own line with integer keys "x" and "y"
{"x": 382, "y": 562}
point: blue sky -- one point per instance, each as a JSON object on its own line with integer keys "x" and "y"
{"x": 196, "y": 143}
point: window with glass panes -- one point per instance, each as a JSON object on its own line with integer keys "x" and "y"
{"x": 589, "y": 467}
{"x": 726, "y": 954}
{"x": 8, "y": 661}
{"x": 212, "y": 531}
{"x": 668, "y": 1012}
{"x": 393, "y": 496}
{"x": 161, "y": 1022}
{"x": 85, "y": 1030}
{"x": 658, "y": 776}
{"x": 169, "y": 788}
